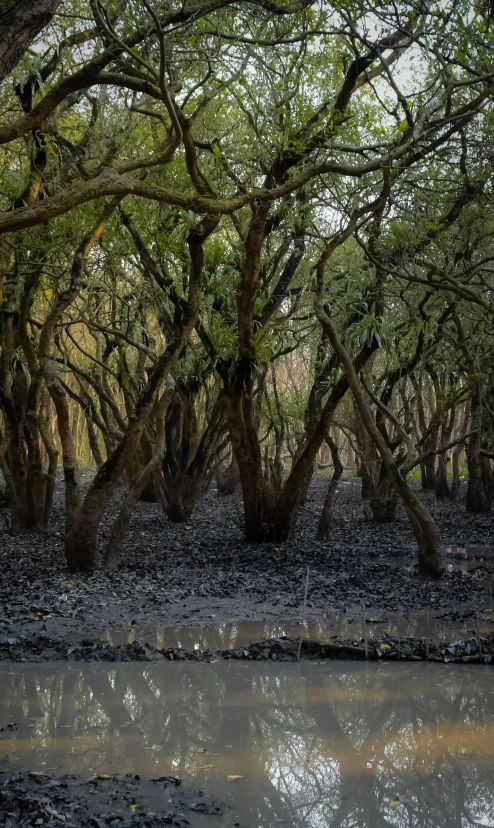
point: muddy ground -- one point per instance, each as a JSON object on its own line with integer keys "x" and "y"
{"x": 473, "y": 648}
{"x": 204, "y": 572}
{"x": 52, "y": 799}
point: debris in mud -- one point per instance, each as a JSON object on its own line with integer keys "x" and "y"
{"x": 476, "y": 649}
{"x": 405, "y": 649}
{"x": 38, "y": 798}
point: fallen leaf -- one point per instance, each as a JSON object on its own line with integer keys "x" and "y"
{"x": 233, "y": 778}
{"x": 394, "y": 803}
{"x": 173, "y": 779}
{"x": 132, "y": 809}
{"x": 55, "y": 814}
{"x": 385, "y": 647}
{"x": 202, "y": 750}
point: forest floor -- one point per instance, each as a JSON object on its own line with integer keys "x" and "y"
{"x": 203, "y": 572}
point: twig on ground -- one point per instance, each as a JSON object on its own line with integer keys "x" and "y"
{"x": 303, "y": 612}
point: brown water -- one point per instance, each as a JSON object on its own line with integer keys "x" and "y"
{"x": 315, "y": 744}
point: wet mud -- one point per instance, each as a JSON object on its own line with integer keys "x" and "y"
{"x": 478, "y": 649}
{"x": 50, "y": 799}
{"x": 204, "y": 573}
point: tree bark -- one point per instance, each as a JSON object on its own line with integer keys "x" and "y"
{"x": 477, "y": 500}
{"x": 329, "y": 501}
{"x": 20, "y": 22}
{"x": 456, "y": 473}
{"x": 384, "y": 500}
{"x": 228, "y": 480}
{"x": 443, "y": 491}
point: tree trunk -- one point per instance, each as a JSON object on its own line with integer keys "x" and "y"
{"x": 13, "y": 500}
{"x": 443, "y": 491}
{"x": 456, "y": 473}
{"x": 429, "y": 478}
{"x": 424, "y": 528}
{"x": 327, "y": 509}
{"x": 477, "y": 500}
{"x": 384, "y": 501}
{"x": 69, "y": 456}
{"x": 126, "y": 511}
{"x": 81, "y": 542}
{"x": 423, "y": 476}
{"x": 20, "y": 22}
{"x": 49, "y": 370}
{"x": 369, "y": 460}
{"x": 243, "y": 434}
{"x": 228, "y": 480}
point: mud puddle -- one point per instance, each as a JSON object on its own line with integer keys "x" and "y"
{"x": 454, "y": 559}
{"x": 309, "y": 744}
{"x": 466, "y": 558}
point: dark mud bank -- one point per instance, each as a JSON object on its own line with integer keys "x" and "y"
{"x": 43, "y": 798}
{"x": 476, "y": 649}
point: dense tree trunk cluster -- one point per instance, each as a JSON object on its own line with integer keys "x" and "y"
{"x": 239, "y": 243}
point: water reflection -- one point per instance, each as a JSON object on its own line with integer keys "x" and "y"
{"x": 332, "y": 625}
{"x": 316, "y": 745}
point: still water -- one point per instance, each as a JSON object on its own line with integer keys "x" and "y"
{"x": 314, "y": 744}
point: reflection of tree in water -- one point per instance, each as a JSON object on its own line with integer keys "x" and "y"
{"x": 316, "y": 746}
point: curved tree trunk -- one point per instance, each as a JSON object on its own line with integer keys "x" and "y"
{"x": 424, "y": 528}
{"x": 329, "y": 501}
{"x": 126, "y": 511}
{"x": 81, "y": 542}
{"x": 49, "y": 369}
